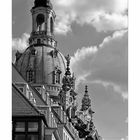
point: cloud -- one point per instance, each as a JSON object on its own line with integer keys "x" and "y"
{"x": 81, "y": 56}
{"x": 103, "y": 15}
{"x": 20, "y": 43}
{"x": 118, "y": 89}
{"x": 63, "y": 23}
{"x": 65, "y": 2}
{"x": 108, "y": 22}
{"x": 105, "y": 64}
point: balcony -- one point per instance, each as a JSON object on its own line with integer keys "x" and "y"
{"x": 41, "y": 37}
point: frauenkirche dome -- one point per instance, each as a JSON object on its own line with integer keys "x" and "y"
{"x": 42, "y": 62}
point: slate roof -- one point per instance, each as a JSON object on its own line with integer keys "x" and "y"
{"x": 21, "y": 106}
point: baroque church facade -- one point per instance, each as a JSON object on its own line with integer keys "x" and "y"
{"x": 44, "y": 103}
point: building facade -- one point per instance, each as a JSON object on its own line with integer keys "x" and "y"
{"x": 43, "y": 90}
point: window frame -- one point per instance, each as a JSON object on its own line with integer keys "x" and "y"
{"x": 54, "y": 77}
{"x": 20, "y": 122}
{"x": 51, "y": 25}
{"x": 58, "y": 77}
{"x": 30, "y": 75}
{"x": 26, "y": 132}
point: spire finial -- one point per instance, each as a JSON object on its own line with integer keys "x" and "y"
{"x": 86, "y": 102}
{"x": 68, "y": 64}
{"x": 86, "y": 89}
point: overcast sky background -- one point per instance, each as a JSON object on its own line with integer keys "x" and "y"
{"x": 95, "y": 34}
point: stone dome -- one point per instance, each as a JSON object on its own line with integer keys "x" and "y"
{"x": 42, "y": 64}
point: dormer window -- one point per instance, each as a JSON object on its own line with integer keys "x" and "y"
{"x": 30, "y": 75}
{"x": 58, "y": 76}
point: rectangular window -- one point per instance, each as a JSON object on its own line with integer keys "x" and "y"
{"x": 32, "y": 137}
{"x": 19, "y": 137}
{"x": 30, "y": 75}
{"x": 57, "y": 78}
{"x": 26, "y": 130}
{"x": 20, "y": 127}
{"x": 32, "y": 126}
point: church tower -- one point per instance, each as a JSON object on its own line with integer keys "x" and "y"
{"x": 43, "y": 18}
{"x": 42, "y": 63}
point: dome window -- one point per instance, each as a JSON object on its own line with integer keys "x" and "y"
{"x": 30, "y": 75}
{"x": 56, "y": 76}
{"x": 58, "y": 73}
{"x": 53, "y": 77}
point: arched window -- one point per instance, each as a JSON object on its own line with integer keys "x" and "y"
{"x": 51, "y": 25}
{"x": 40, "y": 20}
{"x": 38, "y": 41}
{"x": 30, "y": 75}
{"x": 53, "y": 77}
{"x": 58, "y": 76}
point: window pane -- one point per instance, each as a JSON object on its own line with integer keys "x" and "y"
{"x": 33, "y": 126}
{"x": 19, "y": 137}
{"x": 32, "y": 137}
{"x": 20, "y": 126}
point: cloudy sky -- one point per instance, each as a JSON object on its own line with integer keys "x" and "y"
{"x": 95, "y": 34}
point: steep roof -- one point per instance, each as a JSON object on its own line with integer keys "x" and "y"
{"x": 21, "y": 106}
{"x": 18, "y": 78}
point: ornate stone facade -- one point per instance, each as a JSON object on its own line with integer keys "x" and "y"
{"x": 47, "y": 73}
